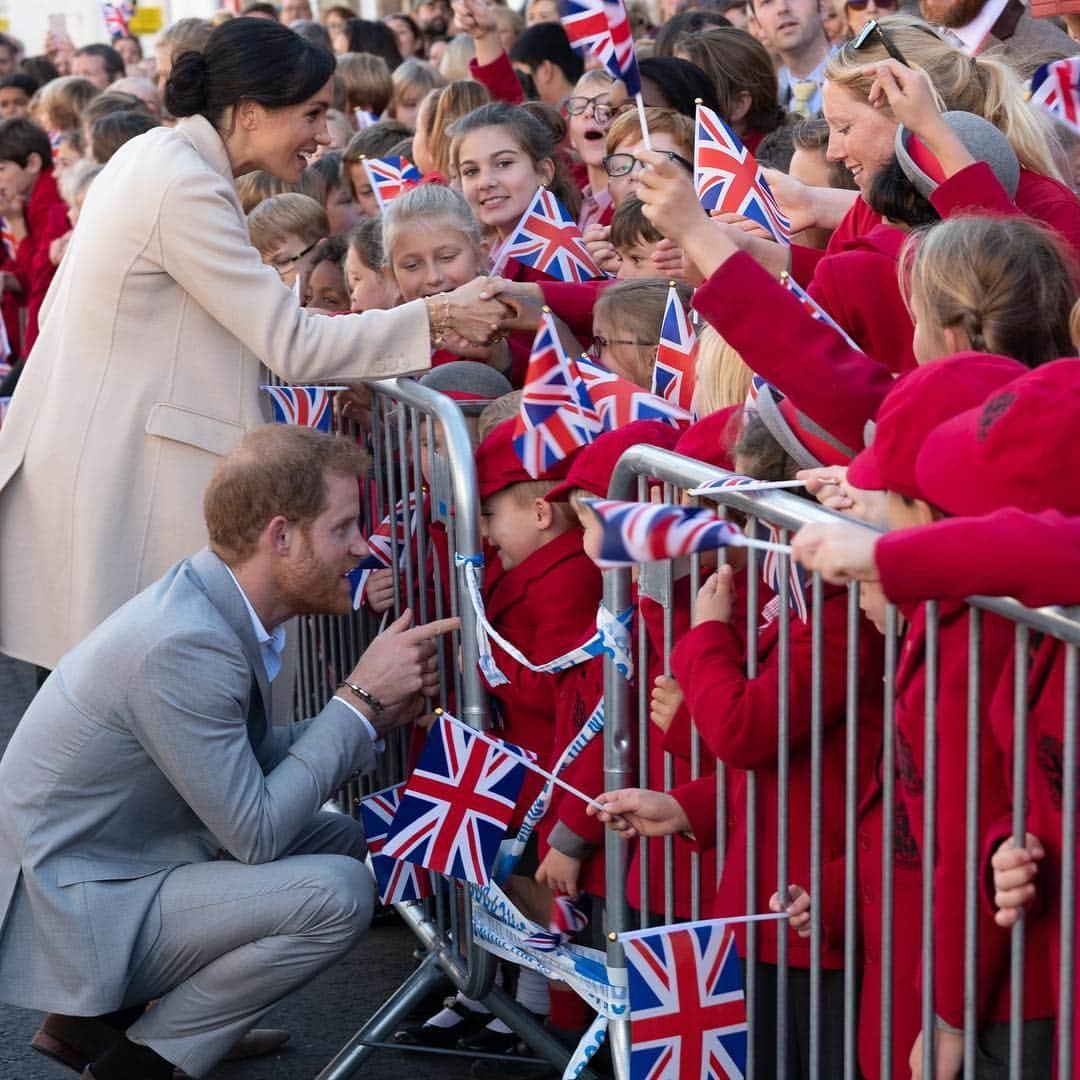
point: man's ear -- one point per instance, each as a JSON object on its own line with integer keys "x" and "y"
{"x": 278, "y": 534}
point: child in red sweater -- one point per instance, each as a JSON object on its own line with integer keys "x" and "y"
{"x": 26, "y": 180}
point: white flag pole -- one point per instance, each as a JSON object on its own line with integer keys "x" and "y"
{"x": 644, "y": 123}
{"x": 766, "y": 917}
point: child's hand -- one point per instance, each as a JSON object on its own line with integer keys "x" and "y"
{"x": 747, "y": 225}
{"x": 598, "y": 243}
{"x": 716, "y": 598}
{"x": 948, "y": 1055}
{"x": 798, "y": 909}
{"x": 827, "y": 486}
{"x": 559, "y": 873}
{"x": 379, "y": 591}
{"x": 474, "y": 18}
{"x": 796, "y": 199}
{"x": 666, "y": 699}
{"x": 1015, "y": 870}
{"x": 640, "y": 812}
{"x": 840, "y": 553}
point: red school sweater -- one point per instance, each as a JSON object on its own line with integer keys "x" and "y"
{"x": 737, "y": 718}
{"x": 46, "y": 220}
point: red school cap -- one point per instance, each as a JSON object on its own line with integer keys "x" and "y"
{"x": 498, "y": 466}
{"x": 1018, "y": 448}
{"x": 915, "y": 405}
{"x": 711, "y": 438}
{"x": 594, "y": 465}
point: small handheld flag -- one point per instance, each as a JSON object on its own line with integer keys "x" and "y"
{"x": 551, "y": 422}
{"x": 547, "y": 239}
{"x": 727, "y": 177}
{"x": 308, "y": 406}
{"x": 457, "y": 804}
{"x": 117, "y": 17}
{"x": 396, "y": 880}
{"x": 389, "y": 177}
{"x": 365, "y": 119}
{"x": 617, "y": 402}
{"x": 636, "y": 532}
{"x": 1055, "y": 88}
{"x": 816, "y": 310}
{"x": 601, "y": 27}
{"x": 675, "y": 369}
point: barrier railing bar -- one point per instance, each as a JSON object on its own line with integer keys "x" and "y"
{"x": 1067, "y": 927}
{"x": 888, "y": 825}
{"x": 1016, "y": 968}
{"x": 851, "y": 773}
{"x": 929, "y": 839}
{"x": 972, "y": 842}
{"x": 817, "y": 659}
{"x": 753, "y": 592}
{"x": 783, "y": 744}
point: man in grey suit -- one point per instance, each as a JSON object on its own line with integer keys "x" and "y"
{"x": 159, "y": 838}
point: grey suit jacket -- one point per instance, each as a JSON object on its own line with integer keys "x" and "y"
{"x": 149, "y": 747}
{"x": 1026, "y": 42}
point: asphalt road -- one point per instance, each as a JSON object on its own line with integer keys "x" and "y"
{"x": 321, "y": 1017}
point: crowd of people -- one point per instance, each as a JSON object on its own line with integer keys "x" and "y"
{"x": 172, "y": 220}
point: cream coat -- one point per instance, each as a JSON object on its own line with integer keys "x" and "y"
{"x": 145, "y": 374}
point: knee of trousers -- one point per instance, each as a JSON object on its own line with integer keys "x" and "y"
{"x": 348, "y": 897}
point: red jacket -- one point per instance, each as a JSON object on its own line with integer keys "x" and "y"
{"x": 1033, "y": 557}
{"x": 545, "y": 606}
{"x": 737, "y": 718}
{"x": 46, "y": 220}
{"x": 994, "y": 802}
{"x": 499, "y": 79}
{"x": 973, "y": 188}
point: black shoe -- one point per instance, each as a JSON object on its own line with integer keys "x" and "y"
{"x": 443, "y": 1037}
{"x": 486, "y": 1041}
{"x": 506, "y": 1068}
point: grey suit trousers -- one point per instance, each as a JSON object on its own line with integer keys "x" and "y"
{"x": 227, "y": 941}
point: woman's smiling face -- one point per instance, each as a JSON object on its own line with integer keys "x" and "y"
{"x": 860, "y": 136}
{"x": 498, "y": 177}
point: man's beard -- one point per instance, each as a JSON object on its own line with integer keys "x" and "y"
{"x": 950, "y": 13}
{"x": 310, "y": 587}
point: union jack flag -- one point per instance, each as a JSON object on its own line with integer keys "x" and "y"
{"x": 617, "y": 401}
{"x": 636, "y": 532}
{"x": 1056, "y": 89}
{"x": 816, "y": 310}
{"x": 117, "y": 17}
{"x": 567, "y": 919}
{"x": 390, "y": 176}
{"x": 365, "y": 119}
{"x": 381, "y": 544}
{"x": 728, "y": 178}
{"x": 396, "y": 880}
{"x": 308, "y": 406}
{"x": 675, "y": 371}
{"x": 602, "y": 28}
{"x": 458, "y": 802}
{"x": 547, "y": 239}
{"x": 551, "y": 422}
{"x": 772, "y": 574}
{"x": 687, "y": 1010}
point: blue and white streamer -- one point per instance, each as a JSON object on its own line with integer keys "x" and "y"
{"x": 612, "y": 637}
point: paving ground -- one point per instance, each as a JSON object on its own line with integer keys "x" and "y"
{"x": 321, "y": 1017}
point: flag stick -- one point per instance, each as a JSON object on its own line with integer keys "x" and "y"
{"x": 767, "y": 917}
{"x": 644, "y": 123}
{"x": 757, "y": 485}
{"x": 510, "y": 749}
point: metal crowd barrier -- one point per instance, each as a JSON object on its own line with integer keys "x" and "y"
{"x": 788, "y": 513}
{"x": 409, "y": 423}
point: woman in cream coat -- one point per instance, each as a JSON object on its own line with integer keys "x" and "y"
{"x": 147, "y": 369}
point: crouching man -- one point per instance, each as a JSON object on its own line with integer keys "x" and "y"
{"x": 160, "y": 838}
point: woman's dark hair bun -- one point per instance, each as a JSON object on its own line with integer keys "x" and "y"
{"x": 247, "y": 60}
{"x": 186, "y": 92}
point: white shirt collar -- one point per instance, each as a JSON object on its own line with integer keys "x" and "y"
{"x": 270, "y": 644}
{"x": 974, "y": 34}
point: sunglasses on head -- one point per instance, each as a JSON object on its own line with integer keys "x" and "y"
{"x": 873, "y": 29}
{"x": 883, "y": 5}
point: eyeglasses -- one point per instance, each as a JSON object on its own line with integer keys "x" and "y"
{"x": 874, "y": 29}
{"x": 623, "y": 164}
{"x": 602, "y": 112}
{"x": 882, "y": 5}
{"x": 282, "y": 266}
{"x": 600, "y": 343}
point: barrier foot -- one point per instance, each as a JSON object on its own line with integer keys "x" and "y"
{"x": 399, "y": 1005}
{"x": 535, "y": 1035}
